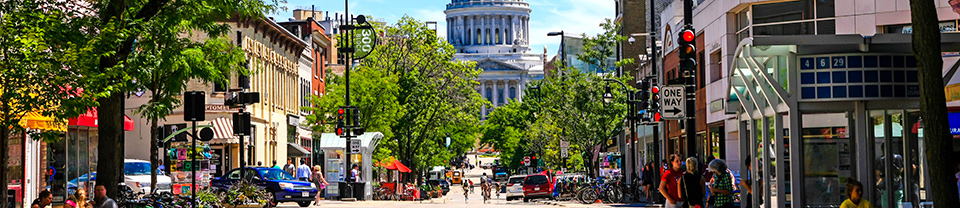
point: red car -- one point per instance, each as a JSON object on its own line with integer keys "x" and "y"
{"x": 537, "y": 186}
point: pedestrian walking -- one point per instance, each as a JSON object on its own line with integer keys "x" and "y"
{"x": 321, "y": 183}
{"x": 101, "y": 199}
{"x": 691, "y": 186}
{"x": 721, "y": 188}
{"x": 303, "y": 171}
{"x": 855, "y": 192}
{"x": 44, "y": 200}
{"x": 289, "y": 167}
{"x": 669, "y": 182}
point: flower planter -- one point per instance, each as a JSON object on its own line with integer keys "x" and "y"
{"x": 247, "y": 206}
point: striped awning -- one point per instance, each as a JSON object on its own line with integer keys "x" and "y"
{"x": 34, "y": 120}
{"x": 223, "y": 131}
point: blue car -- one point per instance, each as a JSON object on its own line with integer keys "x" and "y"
{"x": 280, "y": 186}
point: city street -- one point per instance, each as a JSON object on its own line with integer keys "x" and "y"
{"x": 453, "y": 199}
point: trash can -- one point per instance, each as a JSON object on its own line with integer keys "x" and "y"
{"x": 359, "y": 189}
{"x": 345, "y": 190}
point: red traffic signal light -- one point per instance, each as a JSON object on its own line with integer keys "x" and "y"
{"x": 656, "y": 117}
{"x": 655, "y": 89}
{"x": 687, "y": 35}
{"x": 340, "y": 111}
{"x": 340, "y": 131}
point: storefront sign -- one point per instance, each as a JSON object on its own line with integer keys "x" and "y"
{"x": 954, "y": 119}
{"x": 953, "y": 92}
{"x": 218, "y": 108}
{"x": 716, "y": 105}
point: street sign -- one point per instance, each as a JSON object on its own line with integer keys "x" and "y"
{"x": 354, "y": 146}
{"x": 672, "y": 103}
{"x": 564, "y": 149}
{"x": 526, "y": 160}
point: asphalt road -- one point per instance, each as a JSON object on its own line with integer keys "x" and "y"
{"x": 453, "y": 199}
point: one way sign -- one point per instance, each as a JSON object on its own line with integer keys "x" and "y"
{"x": 672, "y": 104}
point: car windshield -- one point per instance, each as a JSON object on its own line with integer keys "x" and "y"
{"x": 136, "y": 168}
{"x": 275, "y": 174}
{"x": 535, "y": 180}
{"x": 515, "y": 180}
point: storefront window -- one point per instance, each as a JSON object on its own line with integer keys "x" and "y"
{"x": 14, "y": 164}
{"x": 826, "y": 158}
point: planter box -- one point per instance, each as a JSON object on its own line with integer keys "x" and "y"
{"x": 247, "y": 206}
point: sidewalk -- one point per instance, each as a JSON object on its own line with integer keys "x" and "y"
{"x": 575, "y": 203}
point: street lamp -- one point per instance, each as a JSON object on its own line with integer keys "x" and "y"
{"x": 607, "y": 96}
{"x": 563, "y": 50}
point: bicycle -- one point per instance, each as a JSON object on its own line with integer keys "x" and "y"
{"x": 610, "y": 191}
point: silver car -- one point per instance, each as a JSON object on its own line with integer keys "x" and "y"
{"x": 515, "y": 187}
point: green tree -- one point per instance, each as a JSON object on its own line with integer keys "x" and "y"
{"x": 598, "y": 49}
{"x": 167, "y": 64}
{"x": 410, "y": 88}
{"x": 505, "y": 129}
{"x": 32, "y": 78}
{"x": 110, "y": 39}
{"x": 933, "y": 105}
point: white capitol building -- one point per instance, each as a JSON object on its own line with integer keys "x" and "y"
{"x": 495, "y": 34}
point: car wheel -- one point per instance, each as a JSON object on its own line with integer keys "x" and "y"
{"x": 304, "y": 204}
{"x": 525, "y": 199}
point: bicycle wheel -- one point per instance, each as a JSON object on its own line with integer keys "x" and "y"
{"x": 587, "y": 195}
{"x": 614, "y": 194}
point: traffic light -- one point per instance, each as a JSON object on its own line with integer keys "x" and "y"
{"x": 643, "y": 95}
{"x": 655, "y": 98}
{"x": 687, "y": 51}
{"x": 357, "y": 129}
{"x": 193, "y": 106}
{"x": 341, "y": 131}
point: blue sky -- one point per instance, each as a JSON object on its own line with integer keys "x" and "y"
{"x": 572, "y": 16}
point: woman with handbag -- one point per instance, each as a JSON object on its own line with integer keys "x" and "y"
{"x": 691, "y": 188}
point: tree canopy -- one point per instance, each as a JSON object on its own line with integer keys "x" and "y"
{"x": 411, "y": 89}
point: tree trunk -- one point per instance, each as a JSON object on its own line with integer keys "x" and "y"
{"x": 4, "y": 156}
{"x": 110, "y": 159}
{"x": 154, "y": 164}
{"x": 933, "y": 107}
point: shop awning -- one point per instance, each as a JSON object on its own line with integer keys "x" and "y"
{"x": 295, "y": 150}
{"x": 89, "y": 119}
{"x": 368, "y": 142}
{"x": 34, "y": 120}
{"x": 223, "y": 129}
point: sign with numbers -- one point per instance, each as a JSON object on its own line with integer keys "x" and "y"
{"x": 564, "y": 149}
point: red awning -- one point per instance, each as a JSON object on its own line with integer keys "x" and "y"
{"x": 89, "y": 119}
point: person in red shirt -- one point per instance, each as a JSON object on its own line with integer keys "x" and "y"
{"x": 669, "y": 182}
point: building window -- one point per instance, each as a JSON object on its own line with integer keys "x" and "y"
{"x": 490, "y": 95}
{"x": 513, "y": 93}
{"x": 945, "y": 27}
{"x": 804, "y": 17}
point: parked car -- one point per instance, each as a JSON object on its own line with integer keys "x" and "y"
{"x": 444, "y": 186}
{"x": 500, "y": 176}
{"x": 279, "y": 185}
{"x": 514, "y": 187}
{"x": 136, "y": 174}
{"x": 537, "y": 186}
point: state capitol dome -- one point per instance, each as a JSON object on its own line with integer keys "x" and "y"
{"x": 488, "y": 26}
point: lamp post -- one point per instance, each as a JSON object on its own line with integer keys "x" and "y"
{"x": 563, "y": 50}
{"x": 608, "y": 98}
